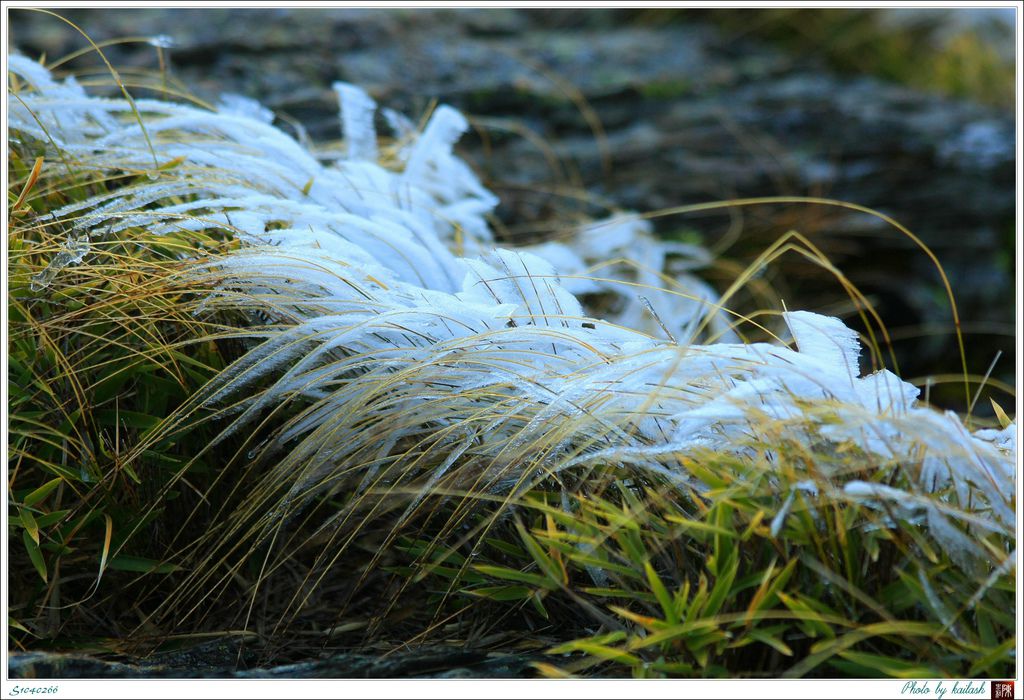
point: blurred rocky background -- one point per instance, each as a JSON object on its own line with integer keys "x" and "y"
{"x": 905, "y": 111}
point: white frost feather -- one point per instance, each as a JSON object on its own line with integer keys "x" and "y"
{"x": 403, "y": 319}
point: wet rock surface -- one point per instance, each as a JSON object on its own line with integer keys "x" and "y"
{"x": 226, "y": 660}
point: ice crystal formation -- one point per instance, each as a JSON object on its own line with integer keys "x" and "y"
{"x": 414, "y": 345}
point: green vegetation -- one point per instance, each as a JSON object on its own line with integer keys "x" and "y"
{"x": 99, "y": 354}
{"x": 770, "y": 573}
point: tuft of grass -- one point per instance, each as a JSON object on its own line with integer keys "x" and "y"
{"x": 770, "y": 572}
{"x": 101, "y": 348}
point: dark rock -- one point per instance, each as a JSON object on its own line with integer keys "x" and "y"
{"x": 223, "y": 660}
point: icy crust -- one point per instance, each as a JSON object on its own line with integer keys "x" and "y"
{"x": 404, "y": 325}
{"x": 620, "y": 256}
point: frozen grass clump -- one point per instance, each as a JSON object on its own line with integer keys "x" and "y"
{"x": 397, "y": 355}
{"x": 380, "y": 318}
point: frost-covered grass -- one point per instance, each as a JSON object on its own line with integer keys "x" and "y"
{"x": 101, "y": 346}
{"x": 283, "y": 388}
